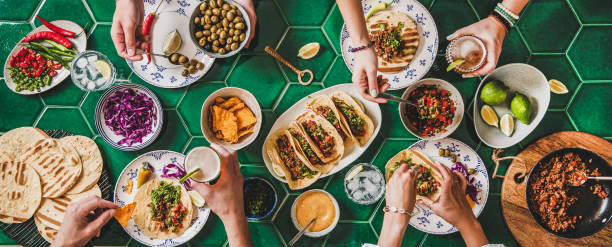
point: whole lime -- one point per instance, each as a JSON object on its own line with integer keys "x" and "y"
{"x": 521, "y": 108}
{"x": 494, "y": 93}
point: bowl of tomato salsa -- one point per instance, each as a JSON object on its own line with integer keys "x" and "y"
{"x": 437, "y": 112}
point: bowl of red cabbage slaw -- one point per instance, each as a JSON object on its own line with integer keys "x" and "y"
{"x": 129, "y": 117}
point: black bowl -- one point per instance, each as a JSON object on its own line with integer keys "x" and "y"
{"x": 596, "y": 212}
{"x": 271, "y": 197}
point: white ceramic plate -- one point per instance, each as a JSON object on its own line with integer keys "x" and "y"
{"x": 249, "y": 100}
{"x": 351, "y": 154}
{"x": 425, "y": 219}
{"x": 158, "y": 159}
{"x": 425, "y": 54}
{"x": 79, "y": 43}
{"x": 172, "y": 15}
{"x": 111, "y": 138}
{"x": 455, "y": 97}
{"x": 518, "y": 77}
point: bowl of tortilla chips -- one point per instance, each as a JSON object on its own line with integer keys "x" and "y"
{"x": 231, "y": 117}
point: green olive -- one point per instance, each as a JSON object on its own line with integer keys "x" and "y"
{"x": 230, "y": 15}
{"x": 219, "y": 30}
{"x": 185, "y": 73}
{"x": 182, "y": 59}
{"x": 219, "y": 25}
{"x": 207, "y": 19}
{"x": 212, "y": 3}
{"x": 236, "y": 37}
{"x": 198, "y": 34}
{"x": 209, "y": 39}
{"x": 233, "y": 6}
{"x": 208, "y": 12}
{"x": 231, "y": 32}
{"x": 202, "y": 42}
{"x": 453, "y": 158}
{"x": 192, "y": 69}
{"x": 229, "y": 40}
{"x": 446, "y": 152}
{"x": 238, "y": 13}
{"x": 231, "y": 25}
{"x": 214, "y": 19}
{"x": 174, "y": 58}
{"x": 222, "y": 42}
{"x": 215, "y": 49}
{"x": 238, "y": 19}
{"x": 206, "y": 33}
{"x": 193, "y": 62}
{"x": 202, "y": 12}
{"x": 203, "y": 21}
{"x": 196, "y": 20}
{"x": 223, "y": 34}
{"x": 239, "y": 25}
{"x": 234, "y": 46}
{"x": 206, "y": 26}
{"x": 224, "y": 22}
{"x": 223, "y": 12}
{"x": 200, "y": 66}
{"x": 213, "y": 29}
{"x": 186, "y": 65}
{"x": 471, "y": 171}
{"x": 226, "y": 6}
{"x": 203, "y": 6}
{"x": 242, "y": 37}
{"x": 441, "y": 151}
{"x": 221, "y": 51}
{"x": 219, "y": 3}
{"x": 215, "y": 43}
{"x": 216, "y": 11}
{"x": 214, "y": 36}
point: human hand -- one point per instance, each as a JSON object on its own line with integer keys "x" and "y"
{"x": 250, "y": 9}
{"x": 76, "y": 228}
{"x": 492, "y": 33}
{"x": 364, "y": 76}
{"x": 401, "y": 189}
{"x": 126, "y": 29}
{"x": 225, "y": 197}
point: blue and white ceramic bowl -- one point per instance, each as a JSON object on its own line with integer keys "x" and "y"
{"x": 425, "y": 54}
{"x": 172, "y": 15}
{"x": 272, "y": 197}
{"x": 158, "y": 159}
{"x": 424, "y": 218}
{"x": 111, "y": 138}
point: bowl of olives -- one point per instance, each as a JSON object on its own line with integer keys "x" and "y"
{"x": 220, "y": 28}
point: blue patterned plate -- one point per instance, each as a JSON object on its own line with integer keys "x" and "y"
{"x": 158, "y": 159}
{"x": 425, "y": 54}
{"x": 425, "y": 219}
{"x": 172, "y": 15}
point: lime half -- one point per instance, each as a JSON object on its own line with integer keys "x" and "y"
{"x": 557, "y": 87}
{"x": 454, "y": 64}
{"x": 104, "y": 68}
{"x": 309, "y": 50}
{"x": 488, "y": 115}
{"x": 172, "y": 42}
{"x": 354, "y": 172}
{"x": 196, "y": 198}
{"x": 377, "y": 7}
{"x": 506, "y": 124}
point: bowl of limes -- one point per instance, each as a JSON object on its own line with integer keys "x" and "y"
{"x": 509, "y": 104}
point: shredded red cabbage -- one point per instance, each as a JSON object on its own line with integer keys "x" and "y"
{"x": 470, "y": 190}
{"x": 130, "y": 114}
{"x": 175, "y": 171}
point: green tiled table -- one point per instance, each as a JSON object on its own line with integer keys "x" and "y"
{"x": 567, "y": 40}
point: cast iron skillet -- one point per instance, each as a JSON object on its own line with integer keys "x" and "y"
{"x": 596, "y": 212}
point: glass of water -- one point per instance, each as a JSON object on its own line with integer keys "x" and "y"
{"x": 92, "y": 71}
{"x": 365, "y": 186}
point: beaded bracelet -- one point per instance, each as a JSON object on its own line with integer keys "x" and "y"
{"x": 363, "y": 47}
{"x": 501, "y": 19}
{"x": 507, "y": 11}
{"x": 392, "y": 209}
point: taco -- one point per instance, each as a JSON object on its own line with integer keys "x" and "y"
{"x": 305, "y": 149}
{"x": 164, "y": 210}
{"x": 395, "y": 39}
{"x": 324, "y": 107}
{"x": 429, "y": 179}
{"x": 281, "y": 150}
{"x": 322, "y": 136}
{"x": 359, "y": 125}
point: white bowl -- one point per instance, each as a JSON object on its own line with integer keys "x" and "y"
{"x": 455, "y": 97}
{"x": 324, "y": 231}
{"x": 518, "y": 77}
{"x": 250, "y": 102}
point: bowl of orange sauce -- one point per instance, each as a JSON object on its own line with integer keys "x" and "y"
{"x": 317, "y": 204}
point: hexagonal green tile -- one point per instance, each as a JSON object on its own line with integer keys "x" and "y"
{"x": 389, "y": 149}
{"x": 351, "y": 234}
{"x": 286, "y": 228}
{"x": 89, "y": 108}
{"x": 263, "y": 234}
{"x": 590, "y": 109}
{"x": 173, "y": 136}
{"x": 11, "y": 34}
{"x": 553, "y": 121}
{"x": 548, "y": 26}
{"x": 557, "y": 67}
{"x": 114, "y": 160}
{"x": 447, "y": 24}
{"x": 112, "y": 234}
{"x": 393, "y": 126}
{"x": 190, "y": 107}
{"x": 300, "y": 13}
{"x": 291, "y": 44}
{"x": 466, "y": 132}
{"x": 350, "y": 210}
{"x": 412, "y": 237}
{"x": 25, "y": 111}
{"x": 66, "y": 10}
{"x": 338, "y": 73}
{"x": 443, "y": 240}
{"x": 169, "y": 97}
{"x": 262, "y": 172}
{"x": 483, "y": 7}
{"x": 66, "y": 94}
{"x": 262, "y": 69}
{"x": 593, "y": 11}
{"x": 485, "y": 153}
{"x": 5, "y": 240}
{"x": 592, "y": 64}
{"x": 18, "y": 10}
{"x": 220, "y": 69}
{"x": 333, "y": 27}
{"x": 270, "y": 26}
{"x": 100, "y": 40}
{"x": 196, "y": 141}
{"x": 513, "y": 49}
{"x": 102, "y": 11}
{"x": 212, "y": 234}
{"x": 493, "y": 223}
{"x": 293, "y": 94}
{"x": 251, "y": 154}
{"x": 56, "y": 118}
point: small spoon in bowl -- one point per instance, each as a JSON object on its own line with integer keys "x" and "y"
{"x": 582, "y": 178}
{"x": 299, "y": 234}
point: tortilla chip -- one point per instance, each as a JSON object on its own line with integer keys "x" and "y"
{"x": 230, "y": 103}
{"x": 246, "y": 131}
{"x": 219, "y": 100}
{"x": 123, "y": 214}
{"x": 237, "y": 107}
{"x": 245, "y": 118}
{"x": 229, "y": 126}
{"x": 128, "y": 187}
{"x": 217, "y": 118}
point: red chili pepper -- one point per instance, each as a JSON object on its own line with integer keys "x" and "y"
{"x": 146, "y": 27}
{"x": 48, "y": 35}
{"x": 54, "y": 28}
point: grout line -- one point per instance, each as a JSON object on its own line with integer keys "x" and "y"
{"x": 474, "y": 10}
{"x": 89, "y": 11}
{"x": 93, "y": 133}
{"x": 280, "y": 97}
{"x": 40, "y": 116}
{"x": 282, "y": 13}
{"x": 423, "y": 240}
{"x": 571, "y": 7}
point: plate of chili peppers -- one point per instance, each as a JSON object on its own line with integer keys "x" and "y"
{"x": 40, "y": 61}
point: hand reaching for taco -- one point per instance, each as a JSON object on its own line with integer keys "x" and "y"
{"x": 429, "y": 178}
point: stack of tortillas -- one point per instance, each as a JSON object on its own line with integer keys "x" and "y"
{"x": 40, "y": 176}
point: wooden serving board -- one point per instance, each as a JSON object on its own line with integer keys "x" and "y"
{"x": 524, "y": 228}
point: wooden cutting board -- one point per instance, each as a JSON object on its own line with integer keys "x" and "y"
{"x": 524, "y": 228}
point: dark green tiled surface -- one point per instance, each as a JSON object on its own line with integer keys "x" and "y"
{"x": 551, "y": 36}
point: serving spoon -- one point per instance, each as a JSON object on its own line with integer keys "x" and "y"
{"x": 584, "y": 178}
{"x": 396, "y": 99}
{"x": 299, "y": 234}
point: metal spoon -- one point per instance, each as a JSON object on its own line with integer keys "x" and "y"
{"x": 299, "y": 234}
{"x": 585, "y": 178}
{"x": 396, "y": 99}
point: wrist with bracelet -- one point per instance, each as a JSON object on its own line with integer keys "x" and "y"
{"x": 505, "y": 16}
{"x": 359, "y": 48}
{"x": 392, "y": 209}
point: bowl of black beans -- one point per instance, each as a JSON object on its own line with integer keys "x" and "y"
{"x": 220, "y": 28}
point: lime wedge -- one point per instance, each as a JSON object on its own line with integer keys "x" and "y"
{"x": 278, "y": 170}
{"x": 354, "y": 172}
{"x": 557, "y": 87}
{"x": 172, "y": 42}
{"x": 309, "y": 50}
{"x": 506, "y": 124}
{"x": 104, "y": 68}
{"x": 377, "y": 7}
{"x": 189, "y": 174}
{"x": 454, "y": 64}
{"x": 196, "y": 198}
{"x": 488, "y": 115}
